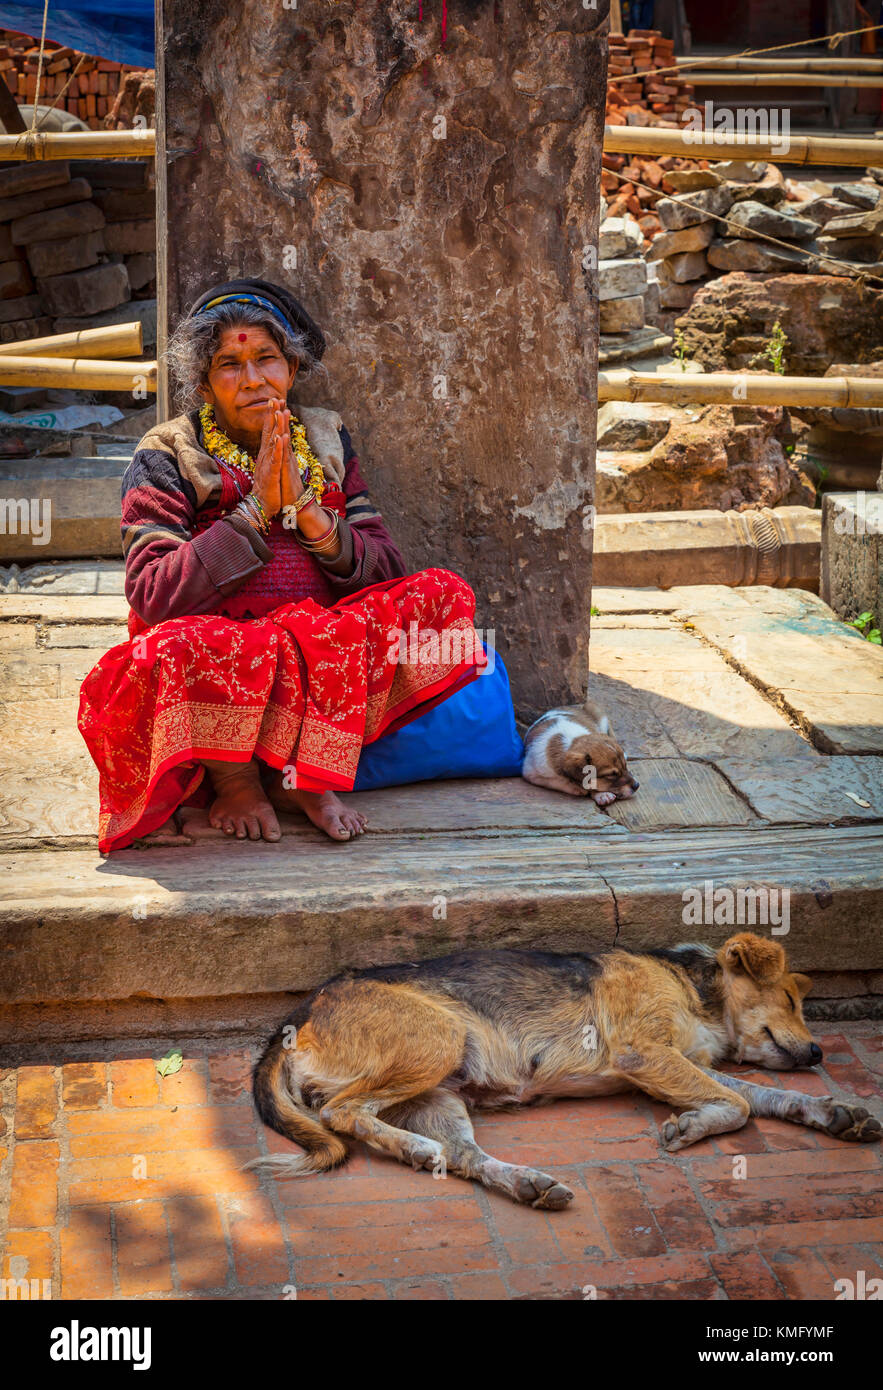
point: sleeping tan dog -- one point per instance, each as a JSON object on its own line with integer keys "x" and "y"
{"x": 397, "y": 1055}
{"x": 574, "y": 750}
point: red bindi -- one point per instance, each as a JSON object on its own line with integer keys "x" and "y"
{"x": 242, "y": 337}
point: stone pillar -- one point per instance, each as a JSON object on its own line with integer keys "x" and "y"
{"x": 425, "y": 177}
{"x": 852, "y": 554}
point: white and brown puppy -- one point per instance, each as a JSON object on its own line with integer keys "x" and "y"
{"x": 573, "y": 750}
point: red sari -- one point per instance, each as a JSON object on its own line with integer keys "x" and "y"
{"x": 302, "y": 685}
{"x": 304, "y": 688}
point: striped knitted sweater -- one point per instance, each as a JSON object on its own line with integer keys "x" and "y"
{"x": 185, "y": 553}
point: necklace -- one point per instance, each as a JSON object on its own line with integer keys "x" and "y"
{"x": 222, "y": 448}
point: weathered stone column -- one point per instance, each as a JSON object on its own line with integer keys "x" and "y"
{"x": 426, "y": 179}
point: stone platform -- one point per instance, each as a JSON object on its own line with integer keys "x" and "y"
{"x": 752, "y": 718}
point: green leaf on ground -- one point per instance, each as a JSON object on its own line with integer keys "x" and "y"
{"x": 172, "y": 1062}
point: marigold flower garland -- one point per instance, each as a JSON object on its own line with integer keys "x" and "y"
{"x": 218, "y": 444}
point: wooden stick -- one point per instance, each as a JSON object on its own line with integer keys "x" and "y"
{"x": 695, "y": 61}
{"x": 79, "y": 144}
{"x": 740, "y": 388}
{"x": 782, "y": 79}
{"x": 83, "y": 374}
{"x": 708, "y": 144}
{"x": 115, "y": 340}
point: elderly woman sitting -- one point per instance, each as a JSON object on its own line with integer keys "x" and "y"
{"x": 267, "y": 598}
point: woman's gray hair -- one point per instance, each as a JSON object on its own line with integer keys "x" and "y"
{"x": 195, "y": 341}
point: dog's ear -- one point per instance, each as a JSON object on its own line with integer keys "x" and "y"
{"x": 748, "y": 954}
{"x": 803, "y": 984}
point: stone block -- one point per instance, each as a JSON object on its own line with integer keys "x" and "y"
{"x": 675, "y": 215}
{"x": 130, "y": 238}
{"x": 618, "y": 279}
{"x": 25, "y": 308}
{"x": 757, "y": 217}
{"x": 7, "y": 250}
{"x": 632, "y": 425}
{"x": 15, "y": 280}
{"x": 113, "y": 173}
{"x": 690, "y": 265}
{"x": 672, "y": 296}
{"x": 75, "y": 219}
{"x": 86, "y": 292}
{"x": 674, "y": 243}
{"x": 740, "y": 170}
{"x": 22, "y": 329}
{"x": 23, "y": 204}
{"x": 691, "y": 180}
{"x": 620, "y": 237}
{"x": 47, "y": 258}
{"x": 141, "y": 269}
{"x": 623, "y": 314}
{"x": 27, "y": 177}
{"x": 860, "y": 195}
{"x": 142, "y": 310}
{"x": 127, "y": 204}
{"x": 737, "y": 254}
{"x": 852, "y": 553}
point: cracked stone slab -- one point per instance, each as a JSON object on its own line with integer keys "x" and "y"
{"x": 833, "y": 878}
{"x": 792, "y": 645}
{"x": 676, "y": 793}
{"x": 612, "y": 600}
{"x": 703, "y": 714}
{"x": 187, "y": 922}
{"x": 838, "y": 790}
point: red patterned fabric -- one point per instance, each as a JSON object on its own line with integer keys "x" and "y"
{"x": 304, "y": 686}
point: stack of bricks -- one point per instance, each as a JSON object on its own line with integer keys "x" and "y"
{"x": 77, "y": 243}
{"x": 87, "y": 87}
{"x": 643, "y": 98}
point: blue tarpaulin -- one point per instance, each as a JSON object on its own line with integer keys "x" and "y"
{"x": 119, "y": 30}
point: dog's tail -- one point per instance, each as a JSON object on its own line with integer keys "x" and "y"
{"x": 289, "y": 1116}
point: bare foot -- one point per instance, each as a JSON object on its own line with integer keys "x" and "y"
{"x": 241, "y": 807}
{"x": 325, "y": 809}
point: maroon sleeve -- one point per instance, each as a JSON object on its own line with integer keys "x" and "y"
{"x": 374, "y": 556}
{"x": 169, "y": 572}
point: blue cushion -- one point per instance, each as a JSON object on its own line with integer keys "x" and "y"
{"x": 471, "y": 734}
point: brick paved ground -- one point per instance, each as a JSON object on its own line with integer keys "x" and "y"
{"x": 117, "y": 1183}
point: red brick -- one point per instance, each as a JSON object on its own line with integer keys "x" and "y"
{"x": 36, "y": 1103}
{"x": 83, "y": 1085}
{"x": 678, "y": 1215}
{"x": 86, "y": 1264}
{"x": 624, "y": 1213}
{"x": 342, "y": 1293}
{"x": 198, "y": 1245}
{"x": 478, "y": 1286}
{"x": 744, "y": 1275}
{"x": 793, "y": 1234}
{"x": 609, "y": 1274}
{"x": 143, "y": 1248}
{"x": 437, "y": 1259}
{"x": 189, "y": 1086}
{"x": 188, "y": 1172}
{"x": 34, "y": 1199}
{"x": 429, "y": 1290}
{"x": 230, "y": 1077}
{"x": 36, "y": 1248}
{"x": 259, "y": 1253}
{"x": 802, "y": 1274}
{"x": 134, "y": 1082}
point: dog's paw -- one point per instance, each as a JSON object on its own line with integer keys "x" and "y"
{"x": 853, "y": 1124}
{"x": 539, "y": 1190}
{"x": 603, "y": 798}
{"x": 681, "y": 1130}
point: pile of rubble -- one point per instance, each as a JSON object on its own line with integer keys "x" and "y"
{"x": 841, "y": 221}
{"x": 98, "y": 92}
{"x": 77, "y": 244}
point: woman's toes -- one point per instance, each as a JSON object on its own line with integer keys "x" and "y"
{"x": 269, "y": 825}
{"x": 253, "y": 828}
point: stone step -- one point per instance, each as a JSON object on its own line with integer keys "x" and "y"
{"x": 752, "y": 718}
{"x": 60, "y": 508}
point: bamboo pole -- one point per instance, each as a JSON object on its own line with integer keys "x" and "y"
{"x": 781, "y": 79}
{"x": 693, "y": 62}
{"x": 745, "y": 388}
{"x": 115, "y": 340}
{"x": 82, "y": 374}
{"x": 79, "y": 144}
{"x": 708, "y": 144}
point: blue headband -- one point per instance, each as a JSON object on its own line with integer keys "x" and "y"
{"x": 247, "y": 299}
